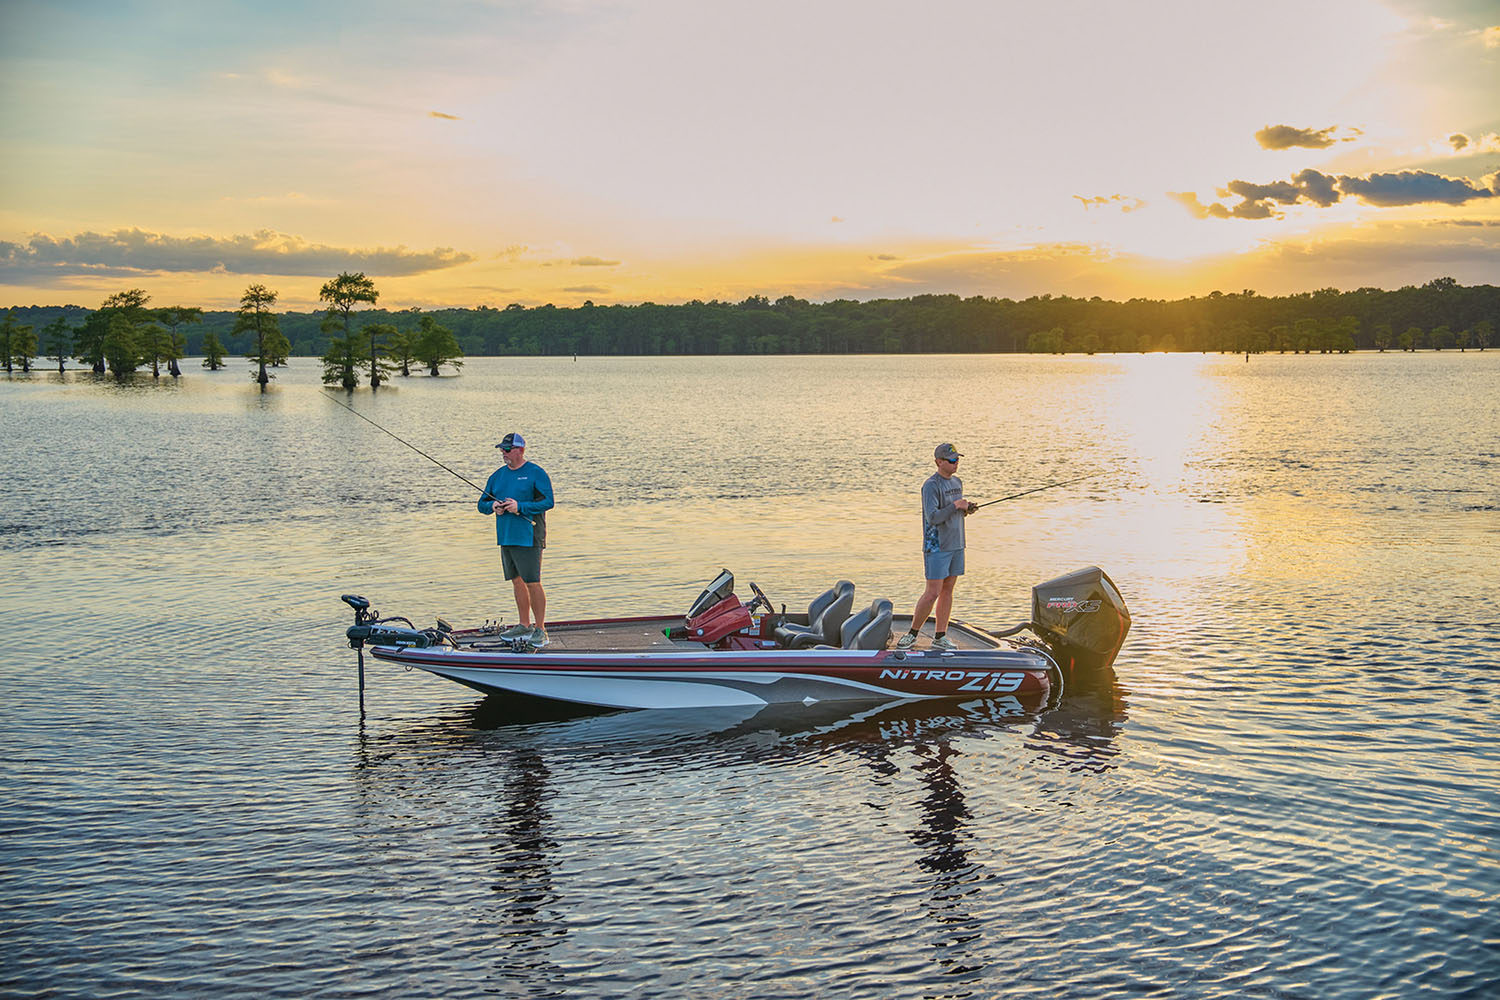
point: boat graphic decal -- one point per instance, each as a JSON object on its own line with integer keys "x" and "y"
{"x": 973, "y": 680}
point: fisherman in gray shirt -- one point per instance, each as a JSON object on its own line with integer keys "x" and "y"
{"x": 943, "y": 511}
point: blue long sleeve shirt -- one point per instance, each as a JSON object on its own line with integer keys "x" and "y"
{"x": 530, "y": 488}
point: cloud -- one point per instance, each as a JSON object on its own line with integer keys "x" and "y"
{"x": 1318, "y": 188}
{"x": 128, "y": 252}
{"x": 593, "y": 262}
{"x": 439, "y": 114}
{"x": 1463, "y": 144}
{"x": 1287, "y": 137}
{"x": 1491, "y": 37}
{"x": 1408, "y": 187}
{"x": 588, "y": 289}
{"x": 1416, "y": 187}
{"x": 1190, "y": 201}
{"x": 1120, "y": 201}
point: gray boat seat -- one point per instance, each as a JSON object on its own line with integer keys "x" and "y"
{"x": 825, "y": 615}
{"x": 870, "y": 629}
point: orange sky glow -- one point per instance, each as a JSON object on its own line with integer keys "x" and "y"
{"x": 465, "y": 153}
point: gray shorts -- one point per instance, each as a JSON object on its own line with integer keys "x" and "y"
{"x": 940, "y": 565}
{"x": 524, "y": 561}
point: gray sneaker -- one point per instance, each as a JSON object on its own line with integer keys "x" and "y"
{"x": 944, "y": 643}
{"x": 516, "y": 632}
{"x": 907, "y": 641}
{"x": 538, "y": 638}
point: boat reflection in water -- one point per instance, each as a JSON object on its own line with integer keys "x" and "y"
{"x": 940, "y": 775}
{"x": 1085, "y": 719}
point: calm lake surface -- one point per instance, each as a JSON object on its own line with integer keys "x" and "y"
{"x": 1288, "y": 786}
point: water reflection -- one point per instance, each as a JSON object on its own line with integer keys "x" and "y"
{"x": 1086, "y": 719}
{"x": 501, "y": 765}
{"x": 1080, "y": 733}
{"x": 525, "y": 849}
{"x": 952, "y": 879}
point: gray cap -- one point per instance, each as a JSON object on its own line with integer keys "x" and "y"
{"x": 947, "y": 452}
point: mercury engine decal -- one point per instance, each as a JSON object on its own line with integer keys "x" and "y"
{"x": 1071, "y": 604}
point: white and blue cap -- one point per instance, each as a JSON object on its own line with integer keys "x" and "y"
{"x": 511, "y": 440}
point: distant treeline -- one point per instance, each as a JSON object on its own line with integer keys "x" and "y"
{"x": 1439, "y": 315}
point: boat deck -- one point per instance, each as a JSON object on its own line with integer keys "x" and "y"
{"x": 632, "y": 636}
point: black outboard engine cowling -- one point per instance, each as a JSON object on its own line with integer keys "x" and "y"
{"x": 1081, "y": 616}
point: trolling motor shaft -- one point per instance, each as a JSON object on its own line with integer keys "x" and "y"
{"x": 370, "y": 627}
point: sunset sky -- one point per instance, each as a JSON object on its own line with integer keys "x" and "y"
{"x": 483, "y": 152}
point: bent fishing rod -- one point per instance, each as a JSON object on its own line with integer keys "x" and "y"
{"x": 484, "y": 493}
{"x": 1038, "y": 489}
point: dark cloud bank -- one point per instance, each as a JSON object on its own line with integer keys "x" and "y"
{"x": 1408, "y": 187}
{"x": 128, "y": 252}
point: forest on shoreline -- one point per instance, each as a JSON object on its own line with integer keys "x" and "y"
{"x": 1440, "y": 314}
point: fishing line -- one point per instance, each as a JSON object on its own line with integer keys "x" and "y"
{"x": 484, "y": 493}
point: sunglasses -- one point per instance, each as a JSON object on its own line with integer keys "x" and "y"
{"x": 507, "y": 451}
{"x": 951, "y": 461}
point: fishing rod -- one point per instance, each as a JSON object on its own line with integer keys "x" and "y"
{"x": 484, "y": 493}
{"x": 1037, "y": 489}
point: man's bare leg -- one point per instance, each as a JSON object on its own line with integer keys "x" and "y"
{"x": 523, "y": 599}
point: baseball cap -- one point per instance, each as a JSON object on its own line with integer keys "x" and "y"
{"x": 512, "y": 440}
{"x": 947, "y": 452}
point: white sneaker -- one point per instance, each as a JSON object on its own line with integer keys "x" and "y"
{"x": 944, "y": 643}
{"x": 907, "y": 641}
{"x": 538, "y": 638}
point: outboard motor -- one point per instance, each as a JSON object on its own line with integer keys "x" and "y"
{"x": 1082, "y": 617}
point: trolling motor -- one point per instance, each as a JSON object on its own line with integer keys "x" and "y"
{"x": 370, "y": 627}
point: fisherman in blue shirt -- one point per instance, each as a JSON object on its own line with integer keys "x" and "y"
{"x": 519, "y": 494}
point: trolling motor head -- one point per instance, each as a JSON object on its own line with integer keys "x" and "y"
{"x": 370, "y": 627}
{"x": 1082, "y": 617}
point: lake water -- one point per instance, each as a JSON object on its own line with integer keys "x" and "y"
{"x": 1287, "y": 786}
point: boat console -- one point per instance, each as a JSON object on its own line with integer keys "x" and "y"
{"x": 719, "y": 619}
{"x": 716, "y": 613}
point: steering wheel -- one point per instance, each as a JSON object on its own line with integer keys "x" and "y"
{"x": 760, "y": 598}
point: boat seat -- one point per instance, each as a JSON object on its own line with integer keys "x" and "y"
{"x": 825, "y": 615}
{"x": 870, "y": 629}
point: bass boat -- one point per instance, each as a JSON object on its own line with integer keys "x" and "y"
{"x": 726, "y": 653}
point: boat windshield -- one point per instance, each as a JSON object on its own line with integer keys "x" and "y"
{"x": 720, "y": 587}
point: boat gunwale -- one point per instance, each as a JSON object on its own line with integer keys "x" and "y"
{"x": 773, "y": 660}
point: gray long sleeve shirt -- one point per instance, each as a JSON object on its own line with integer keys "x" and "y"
{"x": 942, "y": 523}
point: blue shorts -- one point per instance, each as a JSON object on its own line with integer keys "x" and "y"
{"x": 941, "y": 565}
